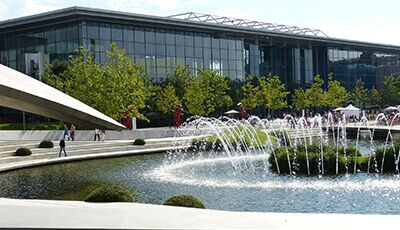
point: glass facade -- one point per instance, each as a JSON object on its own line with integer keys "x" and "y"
{"x": 160, "y": 50}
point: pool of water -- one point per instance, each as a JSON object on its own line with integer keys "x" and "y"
{"x": 211, "y": 177}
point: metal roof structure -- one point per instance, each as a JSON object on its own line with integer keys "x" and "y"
{"x": 207, "y": 18}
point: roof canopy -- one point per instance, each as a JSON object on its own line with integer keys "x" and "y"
{"x": 19, "y": 91}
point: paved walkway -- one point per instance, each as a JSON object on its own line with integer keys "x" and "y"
{"x": 74, "y": 214}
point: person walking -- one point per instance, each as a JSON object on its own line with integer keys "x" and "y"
{"x": 66, "y": 132}
{"x": 97, "y": 134}
{"x": 62, "y": 148}
{"x": 72, "y": 132}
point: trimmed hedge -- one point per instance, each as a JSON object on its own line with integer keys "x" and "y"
{"x": 185, "y": 201}
{"x": 23, "y": 152}
{"x": 46, "y": 144}
{"x": 111, "y": 193}
{"x": 139, "y": 141}
{"x": 212, "y": 142}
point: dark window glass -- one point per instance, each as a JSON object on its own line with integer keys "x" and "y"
{"x": 239, "y": 44}
{"x": 224, "y": 54}
{"x": 180, "y": 51}
{"x": 50, "y": 36}
{"x": 116, "y": 33}
{"x": 232, "y": 54}
{"x": 171, "y": 51}
{"x": 150, "y": 49}
{"x": 170, "y": 62}
{"x": 72, "y": 33}
{"x": 189, "y": 51}
{"x": 161, "y": 61}
{"x": 93, "y": 31}
{"x": 170, "y": 38}
{"x": 207, "y": 41}
{"x": 103, "y": 46}
{"x": 215, "y": 43}
{"x": 128, "y": 35}
{"x": 160, "y": 50}
{"x": 139, "y": 36}
{"x": 207, "y": 63}
{"x": 198, "y": 51}
{"x": 61, "y": 47}
{"x": 224, "y": 43}
{"x": 180, "y": 62}
{"x": 180, "y": 39}
{"x": 231, "y": 44}
{"x": 140, "y": 60}
{"x": 150, "y": 37}
{"x": 198, "y": 41}
{"x": 129, "y": 47}
{"x": 207, "y": 53}
{"x": 188, "y": 39}
{"x": 160, "y": 37}
{"x": 120, "y": 44}
{"x": 139, "y": 48}
{"x": 216, "y": 54}
{"x": 105, "y": 32}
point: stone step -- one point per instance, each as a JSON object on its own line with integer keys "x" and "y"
{"x": 54, "y": 152}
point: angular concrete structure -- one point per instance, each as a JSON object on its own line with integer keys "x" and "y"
{"x": 22, "y": 92}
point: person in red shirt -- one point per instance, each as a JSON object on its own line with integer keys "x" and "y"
{"x": 177, "y": 116}
{"x": 242, "y": 112}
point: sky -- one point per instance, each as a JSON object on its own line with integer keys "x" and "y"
{"x": 364, "y": 20}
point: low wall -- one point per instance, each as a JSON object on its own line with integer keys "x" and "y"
{"x": 87, "y": 135}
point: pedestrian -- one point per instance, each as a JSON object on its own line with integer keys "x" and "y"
{"x": 62, "y": 148}
{"x": 66, "y": 132}
{"x": 242, "y": 112}
{"x": 103, "y": 134}
{"x": 177, "y": 116}
{"x": 72, "y": 130}
{"x": 96, "y": 134}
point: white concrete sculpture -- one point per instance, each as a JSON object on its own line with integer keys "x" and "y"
{"x": 19, "y": 91}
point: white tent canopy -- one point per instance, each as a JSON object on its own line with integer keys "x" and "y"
{"x": 350, "y": 111}
{"x": 338, "y": 109}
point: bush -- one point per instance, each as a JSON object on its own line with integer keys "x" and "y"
{"x": 389, "y": 164}
{"x": 46, "y": 144}
{"x": 139, "y": 141}
{"x": 185, "y": 201}
{"x": 23, "y": 152}
{"x": 111, "y": 193}
{"x": 313, "y": 152}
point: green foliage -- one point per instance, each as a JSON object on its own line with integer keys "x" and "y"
{"x": 167, "y": 100}
{"x": 46, "y": 144}
{"x": 185, "y": 201}
{"x": 313, "y": 152}
{"x": 23, "y": 152}
{"x": 315, "y": 94}
{"x": 336, "y": 94}
{"x": 118, "y": 87}
{"x": 206, "y": 92}
{"x": 250, "y": 94}
{"x": 300, "y": 100}
{"x": 179, "y": 79}
{"x": 139, "y": 141}
{"x": 272, "y": 92}
{"x": 359, "y": 94}
{"x": 252, "y": 139}
{"x": 109, "y": 193}
{"x": 375, "y": 97}
{"x": 78, "y": 191}
{"x": 391, "y": 92}
{"x": 391, "y": 152}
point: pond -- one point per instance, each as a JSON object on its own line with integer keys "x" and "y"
{"x": 211, "y": 177}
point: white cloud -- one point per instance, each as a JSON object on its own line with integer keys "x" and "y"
{"x": 19, "y": 8}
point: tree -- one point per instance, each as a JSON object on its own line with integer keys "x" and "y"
{"x": 272, "y": 93}
{"x": 391, "y": 90}
{"x": 167, "y": 100}
{"x": 179, "y": 80}
{"x": 300, "y": 100}
{"x": 206, "y": 92}
{"x": 336, "y": 93}
{"x": 375, "y": 97}
{"x": 123, "y": 87}
{"x": 359, "y": 94}
{"x": 250, "y": 94}
{"x": 315, "y": 93}
{"x": 118, "y": 87}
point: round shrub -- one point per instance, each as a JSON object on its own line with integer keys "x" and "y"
{"x": 110, "y": 193}
{"x": 46, "y": 144}
{"x": 185, "y": 201}
{"x": 139, "y": 141}
{"x": 23, "y": 152}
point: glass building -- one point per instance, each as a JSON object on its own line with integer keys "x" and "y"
{"x": 236, "y": 47}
